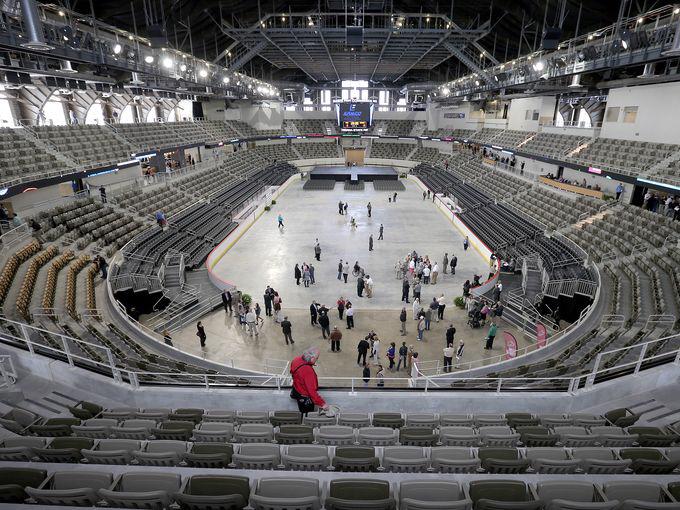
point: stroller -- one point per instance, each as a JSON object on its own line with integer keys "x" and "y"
{"x": 475, "y": 319}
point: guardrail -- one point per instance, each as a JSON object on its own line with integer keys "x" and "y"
{"x": 14, "y": 236}
{"x": 8, "y": 374}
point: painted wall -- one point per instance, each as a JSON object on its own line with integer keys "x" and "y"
{"x": 517, "y": 114}
{"x": 658, "y": 109}
{"x": 214, "y": 110}
{"x": 268, "y": 115}
{"x": 462, "y": 116}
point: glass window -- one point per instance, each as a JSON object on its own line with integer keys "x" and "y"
{"x": 183, "y": 111}
{"x": 54, "y": 113}
{"x": 630, "y": 114}
{"x": 308, "y": 104}
{"x": 384, "y": 98}
{"x": 325, "y": 97}
{"x": 401, "y": 105}
{"x": 127, "y": 115}
{"x": 151, "y": 115}
{"x": 6, "y": 117}
{"x": 584, "y": 119}
{"x": 95, "y": 115}
{"x": 612, "y": 114}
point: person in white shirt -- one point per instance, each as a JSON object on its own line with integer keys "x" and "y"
{"x": 440, "y": 309}
{"x": 449, "y": 352}
{"x": 426, "y": 275}
{"x": 251, "y": 322}
{"x": 435, "y": 273}
{"x": 415, "y": 372}
{"x": 375, "y": 349}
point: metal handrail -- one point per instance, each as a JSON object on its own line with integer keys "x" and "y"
{"x": 8, "y": 373}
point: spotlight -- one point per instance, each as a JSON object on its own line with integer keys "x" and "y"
{"x": 477, "y": 82}
{"x": 640, "y": 20}
{"x": 117, "y": 48}
{"x": 676, "y": 10}
{"x": 624, "y": 44}
{"x": 225, "y": 79}
{"x": 445, "y": 91}
{"x": 539, "y": 65}
{"x": 62, "y": 13}
{"x": 203, "y": 73}
{"x": 167, "y": 62}
{"x": 183, "y": 67}
{"x": 130, "y": 37}
{"x": 148, "y": 59}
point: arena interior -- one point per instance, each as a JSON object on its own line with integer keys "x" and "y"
{"x": 340, "y": 255}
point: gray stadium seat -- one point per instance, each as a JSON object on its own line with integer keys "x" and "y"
{"x": 432, "y": 495}
{"x": 377, "y": 436}
{"x": 209, "y": 455}
{"x": 14, "y": 481}
{"x": 306, "y": 458}
{"x": 214, "y": 432}
{"x": 335, "y": 435}
{"x": 257, "y": 456}
{"x": 358, "y": 494}
{"x": 286, "y": 493}
{"x": 448, "y": 459}
{"x": 71, "y": 488}
{"x": 211, "y": 492}
{"x": 639, "y": 495}
{"x": 551, "y": 460}
{"x": 98, "y": 428}
{"x": 161, "y": 453}
{"x": 355, "y": 420}
{"x": 501, "y": 495}
{"x": 142, "y": 490}
{"x": 458, "y": 435}
{"x": 254, "y": 433}
{"x": 404, "y": 459}
{"x": 570, "y": 495}
{"x": 19, "y": 448}
{"x": 112, "y": 451}
{"x": 64, "y": 449}
{"x": 600, "y": 460}
{"x": 355, "y": 458}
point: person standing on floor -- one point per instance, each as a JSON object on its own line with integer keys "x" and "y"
{"x": 268, "y": 295}
{"x": 306, "y": 278}
{"x": 441, "y": 305}
{"x": 445, "y": 263}
{"x": 460, "y": 350}
{"x": 394, "y": 198}
{"x": 368, "y": 208}
{"x": 402, "y": 320}
{"x": 340, "y": 270}
{"x": 449, "y": 351}
{"x": 341, "y": 307}
{"x": 366, "y": 374}
{"x": 375, "y": 347}
{"x": 421, "y": 328}
{"x": 380, "y": 376}
{"x": 360, "y": 286}
{"x": 434, "y": 309}
{"x": 362, "y": 350}
{"x": 200, "y": 333}
{"x": 312, "y": 280}
{"x": 416, "y": 291}
{"x": 344, "y": 207}
{"x": 325, "y": 323}
{"x": 340, "y": 204}
{"x": 349, "y": 314}
{"x": 317, "y": 250}
{"x": 251, "y": 322}
{"x": 335, "y": 336}
{"x": 450, "y": 334}
{"x": 416, "y": 308}
{"x": 380, "y": 233}
{"x": 403, "y": 351}
{"x": 287, "y": 329}
{"x": 279, "y": 218}
{"x": 428, "y": 318}
{"x": 298, "y": 274}
{"x": 466, "y": 243}
{"x": 490, "y": 336}
{"x": 345, "y": 271}
{"x": 305, "y": 389}
{"x": 370, "y": 242}
{"x": 276, "y": 303}
{"x": 405, "y": 288}
{"x": 435, "y": 273}
{"x": 391, "y": 354}
{"x": 226, "y": 301}
{"x": 313, "y": 313}
{"x": 454, "y": 263}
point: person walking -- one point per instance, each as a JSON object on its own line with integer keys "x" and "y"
{"x": 362, "y": 350}
{"x": 200, "y": 333}
{"x": 349, "y": 315}
{"x": 312, "y": 280}
{"x": 276, "y": 303}
{"x": 341, "y": 307}
{"x": 405, "y": 287}
{"x": 268, "y": 294}
{"x": 287, "y": 329}
{"x": 366, "y": 374}
{"x": 445, "y": 263}
{"x": 416, "y": 291}
{"x": 454, "y": 263}
{"x": 490, "y": 336}
{"x": 258, "y": 313}
{"x": 226, "y": 301}
{"x": 340, "y": 204}
{"x": 441, "y": 305}
{"x": 450, "y": 334}
{"x": 380, "y": 376}
{"x": 360, "y": 286}
{"x": 167, "y": 339}
{"x": 402, "y": 320}
{"x": 421, "y": 328}
{"x": 369, "y": 207}
{"x": 313, "y": 313}
{"x": 102, "y": 193}
{"x": 403, "y": 351}
{"x": 251, "y": 322}
{"x": 340, "y": 270}
{"x": 325, "y": 323}
{"x": 391, "y": 354}
{"x": 394, "y": 198}
{"x": 460, "y": 350}
{"x": 375, "y": 347}
{"x": 428, "y": 318}
{"x": 370, "y": 242}
{"x": 619, "y": 190}
{"x": 344, "y": 207}
{"x": 305, "y": 389}
{"x": 435, "y": 273}
{"x": 306, "y": 278}
{"x": 317, "y": 250}
{"x": 279, "y": 218}
{"x": 380, "y": 232}
{"x": 416, "y": 308}
{"x": 298, "y": 274}
{"x": 335, "y": 336}
{"x": 466, "y": 243}
{"x": 345, "y": 271}
{"x": 449, "y": 351}
{"x": 434, "y": 309}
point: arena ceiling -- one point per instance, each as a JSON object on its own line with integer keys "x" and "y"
{"x": 293, "y": 49}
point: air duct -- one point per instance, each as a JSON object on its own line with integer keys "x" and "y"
{"x": 36, "y": 39}
{"x": 575, "y": 81}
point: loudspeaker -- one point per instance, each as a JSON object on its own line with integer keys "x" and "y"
{"x": 551, "y": 38}
{"x": 354, "y": 36}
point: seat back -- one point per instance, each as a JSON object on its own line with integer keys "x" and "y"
{"x": 355, "y": 458}
{"x": 13, "y": 481}
{"x": 306, "y": 458}
{"x": 633, "y": 489}
{"x": 567, "y": 490}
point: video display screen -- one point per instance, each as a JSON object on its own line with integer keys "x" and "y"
{"x": 354, "y": 116}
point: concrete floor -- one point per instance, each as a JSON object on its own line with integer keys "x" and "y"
{"x": 266, "y": 255}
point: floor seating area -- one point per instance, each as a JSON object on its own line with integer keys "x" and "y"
{"x": 429, "y": 155}
{"x": 390, "y": 150}
{"x": 19, "y": 156}
{"x": 398, "y": 127}
{"x": 150, "y": 135}
{"x": 314, "y": 150}
{"x": 276, "y": 152}
{"x": 319, "y": 185}
{"x": 552, "y": 144}
{"x": 147, "y": 202}
{"x": 629, "y": 156}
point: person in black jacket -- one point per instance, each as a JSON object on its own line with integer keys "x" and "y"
{"x": 298, "y": 274}
{"x": 450, "y": 334}
{"x": 287, "y": 329}
{"x": 313, "y": 313}
{"x": 226, "y": 301}
{"x": 362, "y": 349}
{"x": 200, "y": 333}
{"x": 268, "y": 296}
{"x": 325, "y": 324}
{"x": 402, "y": 320}
{"x": 405, "y": 288}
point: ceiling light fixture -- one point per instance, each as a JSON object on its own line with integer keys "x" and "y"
{"x": 148, "y": 59}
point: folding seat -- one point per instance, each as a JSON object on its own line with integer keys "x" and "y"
{"x": 600, "y": 460}
{"x": 84, "y": 410}
{"x": 391, "y": 420}
{"x": 423, "y": 420}
{"x": 588, "y": 420}
{"x": 490, "y": 420}
{"x": 355, "y": 458}
{"x": 279, "y": 418}
{"x": 161, "y": 453}
{"x": 71, "y": 488}
{"x": 209, "y": 455}
{"x": 54, "y": 427}
{"x": 214, "y": 432}
{"x": 377, "y": 436}
{"x": 639, "y": 495}
{"x": 111, "y": 451}
{"x": 653, "y": 436}
{"x": 319, "y": 420}
{"x": 295, "y": 434}
{"x": 552, "y": 461}
{"x": 174, "y": 430}
{"x": 306, "y": 458}
{"x": 355, "y": 420}
{"x": 536, "y": 436}
{"x": 335, "y": 435}
{"x": 19, "y": 448}
{"x": 133, "y": 429}
{"x": 502, "y": 494}
{"x": 432, "y": 495}
{"x": 521, "y": 419}
{"x": 142, "y": 490}
{"x": 252, "y": 417}
{"x": 502, "y": 460}
{"x": 500, "y": 435}
{"x": 184, "y": 414}
{"x": 622, "y": 417}
{"x": 14, "y": 481}
{"x": 208, "y": 492}
{"x": 98, "y": 428}
{"x": 648, "y": 461}
{"x": 418, "y": 436}
{"x": 404, "y": 459}
{"x": 286, "y": 493}
{"x": 155, "y": 414}
{"x": 573, "y": 436}
{"x": 257, "y": 456}
{"x": 458, "y": 436}
{"x": 568, "y": 495}
{"x": 254, "y": 433}
{"x": 454, "y": 460}
{"x": 613, "y": 436}
{"x": 354, "y": 493}
{"x": 64, "y": 449}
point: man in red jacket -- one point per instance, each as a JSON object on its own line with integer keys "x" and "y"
{"x": 305, "y": 389}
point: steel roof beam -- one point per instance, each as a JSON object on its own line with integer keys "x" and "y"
{"x": 459, "y": 53}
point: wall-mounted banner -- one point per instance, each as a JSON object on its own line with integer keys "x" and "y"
{"x": 510, "y": 345}
{"x": 454, "y": 115}
{"x": 541, "y": 335}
